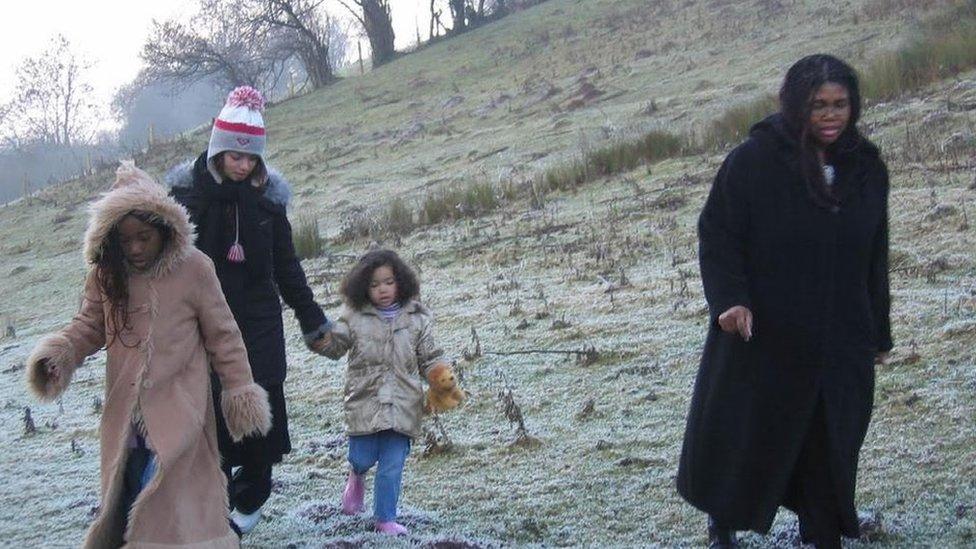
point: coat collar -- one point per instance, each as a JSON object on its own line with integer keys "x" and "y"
{"x": 849, "y": 149}
{"x": 185, "y": 175}
{"x": 852, "y": 157}
{"x": 411, "y": 307}
{"x": 402, "y": 320}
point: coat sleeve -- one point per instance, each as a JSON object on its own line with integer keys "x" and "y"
{"x": 428, "y": 353}
{"x": 722, "y": 238}
{"x": 340, "y": 339}
{"x": 243, "y": 402}
{"x": 878, "y": 287}
{"x": 68, "y": 348}
{"x": 291, "y": 281}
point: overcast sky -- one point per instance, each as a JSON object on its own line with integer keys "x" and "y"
{"x": 112, "y": 32}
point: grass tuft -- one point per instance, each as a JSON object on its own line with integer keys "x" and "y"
{"x": 945, "y": 48}
{"x": 733, "y": 126}
{"x": 308, "y": 242}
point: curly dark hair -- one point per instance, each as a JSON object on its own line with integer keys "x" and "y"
{"x": 113, "y": 276}
{"x": 795, "y": 97}
{"x": 355, "y": 286}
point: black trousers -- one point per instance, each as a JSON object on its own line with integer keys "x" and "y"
{"x": 249, "y": 488}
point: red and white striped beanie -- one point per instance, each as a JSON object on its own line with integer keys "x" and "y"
{"x": 239, "y": 126}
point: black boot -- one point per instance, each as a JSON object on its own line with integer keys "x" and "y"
{"x": 720, "y": 537}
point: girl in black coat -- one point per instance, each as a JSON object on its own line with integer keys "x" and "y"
{"x": 238, "y": 206}
{"x": 794, "y": 261}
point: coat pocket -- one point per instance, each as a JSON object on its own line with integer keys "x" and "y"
{"x": 362, "y": 381}
{"x": 360, "y": 400}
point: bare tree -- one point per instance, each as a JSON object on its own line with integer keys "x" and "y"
{"x": 339, "y": 31}
{"x": 467, "y": 14}
{"x": 223, "y": 42}
{"x": 435, "y": 21}
{"x": 8, "y": 136}
{"x": 308, "y": 35}
{"x": 142, "y": 107}
{"x": 484, "y": 10}
{"x": 374, "y": 16}
{"x": 458, "y": 19}
{"x": 52, "y": 102}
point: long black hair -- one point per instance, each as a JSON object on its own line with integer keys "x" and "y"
{"x": 113, "y": 274}
{"x": 355, "y": 287}
{"x": 802, "y": 81}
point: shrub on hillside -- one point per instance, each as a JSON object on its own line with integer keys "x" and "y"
{"x": 308, "y": 242}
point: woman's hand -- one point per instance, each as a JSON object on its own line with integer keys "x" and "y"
{"x": 881, "y": 358}
{"x": 322, "y": 343}
{"x": 737, "y": 320}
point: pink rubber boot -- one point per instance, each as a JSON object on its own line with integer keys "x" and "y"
{"x": 352, "y": 496}
{"x": 391, "y": 528}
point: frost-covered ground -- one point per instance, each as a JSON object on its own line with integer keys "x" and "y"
{"x": 609, "y": 427}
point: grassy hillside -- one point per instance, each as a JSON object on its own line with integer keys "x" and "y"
{"x": 608, "y": 270}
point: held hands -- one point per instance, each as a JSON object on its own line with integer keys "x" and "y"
{"x": 737, "y": 320}
{"x": 322, "y": 343}
{"x": 443, "y": 393}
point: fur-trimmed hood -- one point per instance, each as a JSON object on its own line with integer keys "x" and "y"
{"x": 134, "y": 190}
{"x": 277, "y": 189}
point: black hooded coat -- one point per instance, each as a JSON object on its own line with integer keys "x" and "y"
{"x": 816, "y": 281}
{"x": 271, "y": 268}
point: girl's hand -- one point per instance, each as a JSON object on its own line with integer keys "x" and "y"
{"x": 737, "y": 319}
{"x": 322, "y": 343}
{"x": 52, "y": 370}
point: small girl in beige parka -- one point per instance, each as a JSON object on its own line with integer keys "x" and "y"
{"x": 388, "y": 335}
{"x": 154, "y": 303}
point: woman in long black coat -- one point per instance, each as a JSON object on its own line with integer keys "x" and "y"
{"x": 239, "y": 207}
{"x": 794, "y": 262}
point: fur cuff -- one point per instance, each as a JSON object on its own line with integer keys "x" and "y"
{"x": 246, "y": 411}
{"x": 55, "y": 349}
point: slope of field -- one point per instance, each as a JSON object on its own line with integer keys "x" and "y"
{"x": 608, "y": 272}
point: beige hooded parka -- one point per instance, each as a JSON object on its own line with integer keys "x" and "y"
{"x": 158, "y": 376}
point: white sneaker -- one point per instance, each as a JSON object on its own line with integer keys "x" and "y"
{"x": 245, "y": 523}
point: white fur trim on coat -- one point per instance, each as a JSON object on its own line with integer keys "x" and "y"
{"x": 246, "y": 411}
{"x": 55, "y": 349}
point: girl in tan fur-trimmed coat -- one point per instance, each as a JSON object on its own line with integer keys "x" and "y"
{"x": 154, "y": 302}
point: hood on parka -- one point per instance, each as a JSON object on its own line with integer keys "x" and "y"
{"x": 133, "y": 190}
{"x": 851, "y": 143}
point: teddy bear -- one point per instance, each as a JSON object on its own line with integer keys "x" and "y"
{"x": 443, "y": 393}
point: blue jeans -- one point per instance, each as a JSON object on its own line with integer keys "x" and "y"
{"x": 139, "y": 470}
{"x": 389, "y": 449}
